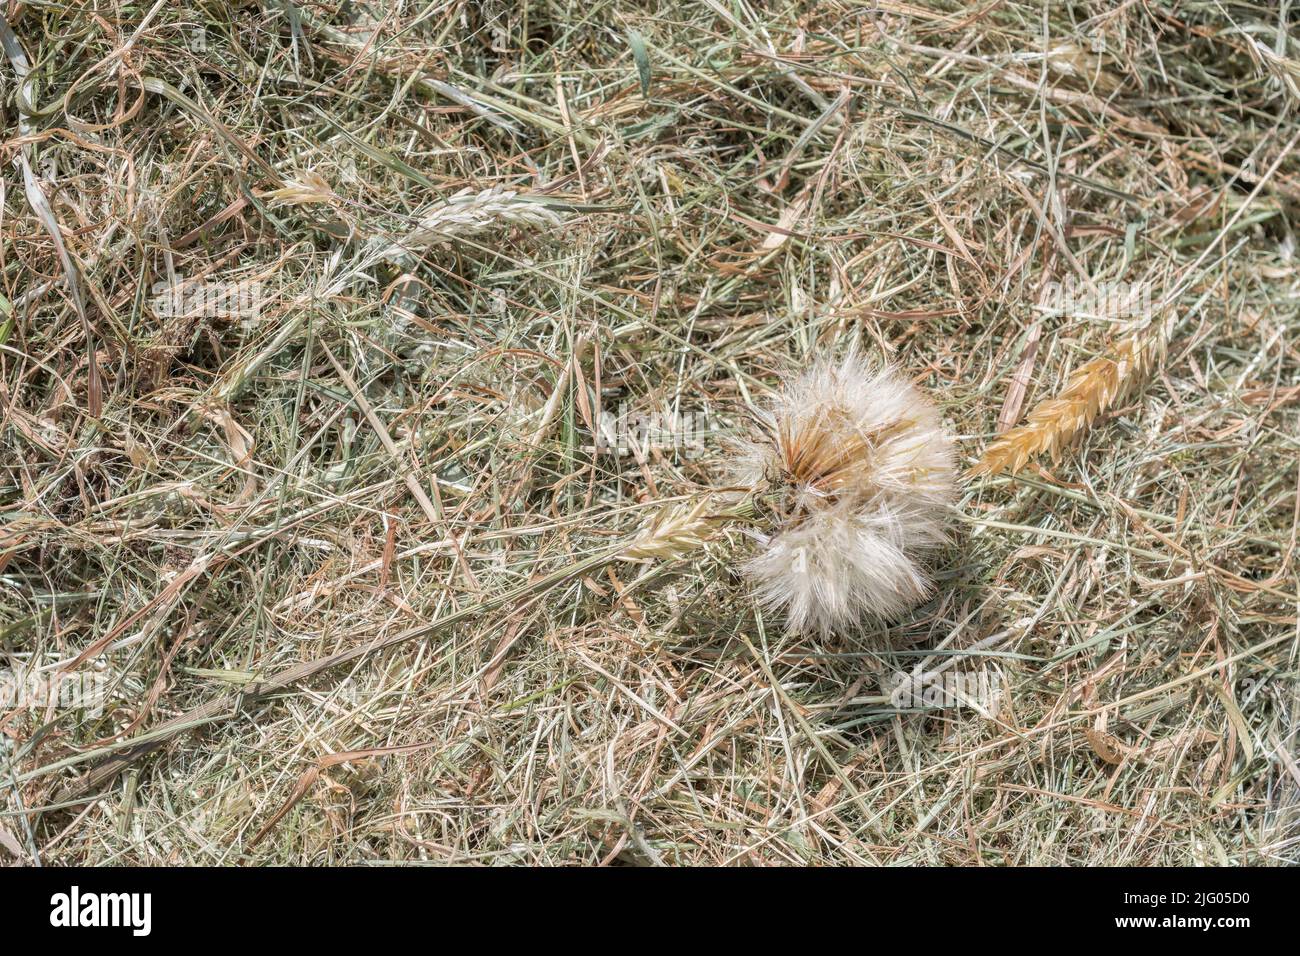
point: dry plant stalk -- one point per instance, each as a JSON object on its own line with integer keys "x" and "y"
{"x": 1053, "y": 423}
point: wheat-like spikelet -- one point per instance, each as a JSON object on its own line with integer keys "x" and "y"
{"x": 1284, "y": 69}
{"x": 854, "y": 473}
{"x": 671, "y": 532}
{"x": 1092, "y": 388}
{"x": 468, "y": 213}
{"x": 304, "y": 188}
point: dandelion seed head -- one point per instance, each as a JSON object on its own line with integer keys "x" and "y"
{"x": 855, "y": 472}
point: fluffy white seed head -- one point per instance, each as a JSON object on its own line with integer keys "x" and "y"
{"x": 856, "y": 473}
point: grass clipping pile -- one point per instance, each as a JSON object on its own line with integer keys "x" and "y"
{"x": 367, "y": 370}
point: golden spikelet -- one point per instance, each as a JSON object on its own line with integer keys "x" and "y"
{"x": 304, "y": 188}
{"x": 1053, "y": 423}
{"x": 671, "y": 532}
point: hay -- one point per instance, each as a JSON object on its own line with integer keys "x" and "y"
{"x": 326, "y": 476}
